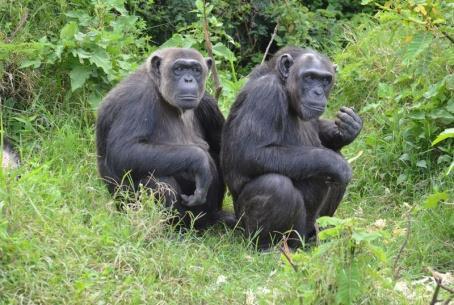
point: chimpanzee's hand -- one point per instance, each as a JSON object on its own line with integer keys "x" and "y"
{"x": 203, "y": 178}
{"x": 348, "y": 123}
{"x": 198, "y": 198}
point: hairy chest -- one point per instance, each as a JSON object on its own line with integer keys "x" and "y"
{"x": 180, "y": 129}
{"x": 300, "y": 132}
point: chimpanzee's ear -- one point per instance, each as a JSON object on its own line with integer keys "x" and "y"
{"x": 284, "y": 63}
{"x": 154, "y": 65}
{"x": 209, "y": 62}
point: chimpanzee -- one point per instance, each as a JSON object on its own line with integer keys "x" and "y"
{"x": 158, "y": 127}
{"x": 281, "y": 162}
{"x": 10, "y": 158}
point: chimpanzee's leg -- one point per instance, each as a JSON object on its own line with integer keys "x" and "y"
{"x": 321, "y": 198}
{"x": 210, "y": 212}
{"x": 270, "y": 206}
{"x": 170, "y": 189}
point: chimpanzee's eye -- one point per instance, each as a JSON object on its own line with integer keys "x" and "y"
{"x": 178, "y": 69}
{"x": 309, "y": 77}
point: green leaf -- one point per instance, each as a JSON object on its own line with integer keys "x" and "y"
{"x": 179, "y": 41}
{"x": 117, "y": 5}
{"x": 444, "y": 159}
{"x": 199, "y": 5}
{"x": 434, "y": 90}
{"x": 445, "y": 134}
{"x": 417, "y": 115}
{"x": 81, "y": 53}
{"x": 330, "y": 232}
{"x": 420, "y": 42}
{"x": 421, "y": 163}
{"x": 365, "y": 236}
{"x": 451, "y": 167}
{"x": 401, "y": 178}
{"x": 69, "y": 30}
{"x": 36, "y": 63}
{"x": 449, "y": 79}
{"x": 441, "y": 114}
{"x": 325, "y": 221}
{"x": 433, "y": 200}
{"x": 349, "y": 285}
{"x": 222, "y": 51}
{"x": 378, "y": 252}
{"x": 404, "y": 157}
{"x": 450, "y": 106}
{"x": 101, "y": 59}
{"x": 79, "y": 76}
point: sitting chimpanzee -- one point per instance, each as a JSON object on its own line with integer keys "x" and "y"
{"x": 160, "y": 127}
{"x": 280, "y": 161}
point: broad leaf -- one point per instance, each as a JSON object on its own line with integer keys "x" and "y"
{"x": 447, "y": 133}
{"x": 365, "y": 236}
{"x": 325, "y": 221}
{"x": 69, "y": 30}
{"x": 222, "y": 51}
{"x": 29, "y": 63}
{"x": 433, "y": 200}
{"x": 101, "y": 59}
{"x": 179, "y": 41}
{"x": 421, "y": 163}
{"x": 79, "y": 76}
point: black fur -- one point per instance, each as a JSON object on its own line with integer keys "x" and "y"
{"x": 156, "y": 141}
{"x": 280, "y": 161}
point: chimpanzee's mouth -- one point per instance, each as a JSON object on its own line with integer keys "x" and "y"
{"x": 187, "y": 98}
{"x": 315, "y": 108}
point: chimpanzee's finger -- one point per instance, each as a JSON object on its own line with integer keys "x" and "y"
{"x": 351, "y": 113}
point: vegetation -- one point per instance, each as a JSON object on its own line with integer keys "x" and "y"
{"x": 62, "y": 240}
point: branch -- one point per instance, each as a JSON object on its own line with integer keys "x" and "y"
{"x": 436, "y": 291}
{"x": 404, "y": 244}
{"x": 271, "y": 41}
{"x": 209, "y": 46}
{"x": 448, "y": 36}
{"x": 285, "y": 250}
{"x": 19, "y": 26}
{"x": 438, "y": 278}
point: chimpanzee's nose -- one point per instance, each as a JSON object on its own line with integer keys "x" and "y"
{"x": 188, "y": 79}
{"x": 318, "y": 91}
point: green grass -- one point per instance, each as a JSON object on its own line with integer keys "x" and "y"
{"x": 63, "y": 242}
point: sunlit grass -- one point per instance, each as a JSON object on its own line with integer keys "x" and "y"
{"x": 62, "y": 240}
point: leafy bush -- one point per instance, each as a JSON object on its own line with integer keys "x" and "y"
{"x": 97, "y": 45}
{"x": 318, "y": 24}
{"x": 349, "y": 266}
{"x": 400, "y": 72}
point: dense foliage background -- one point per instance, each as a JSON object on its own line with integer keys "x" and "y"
{"x": 61, "y": 238}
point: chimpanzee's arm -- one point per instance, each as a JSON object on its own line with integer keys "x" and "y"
{"x": 342, "y": 131}
{"x": 130, "y": 148}
{"x": 144, "y": 159}
{"x": 212, "y": 121}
